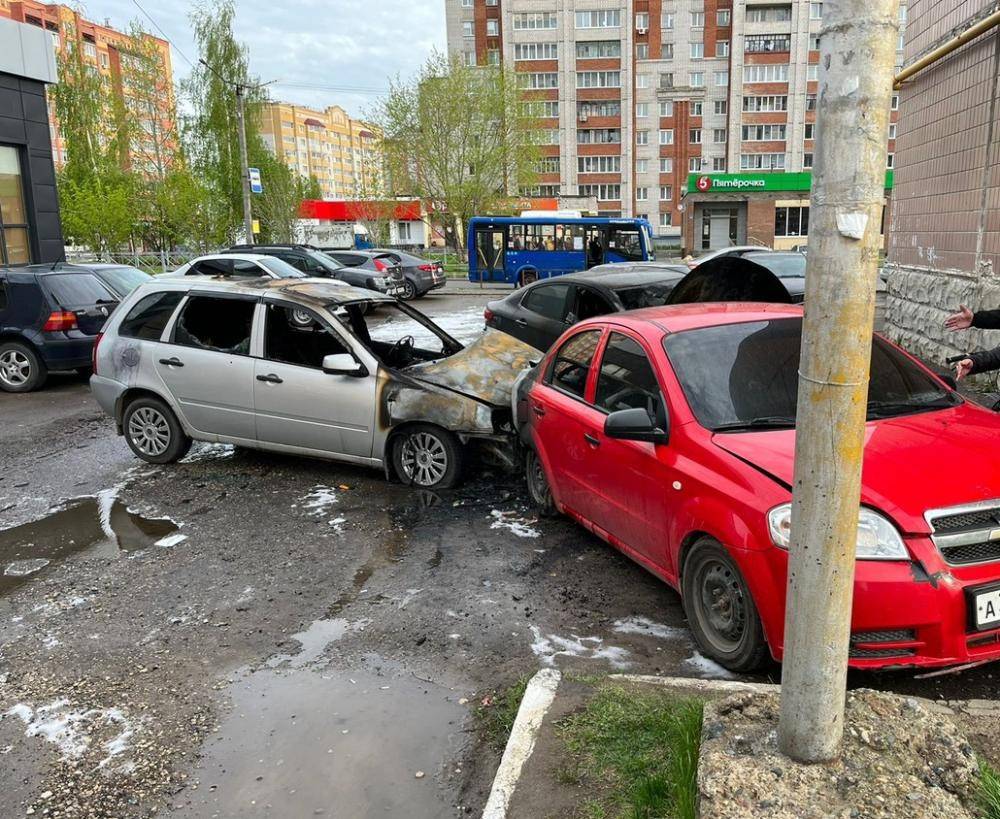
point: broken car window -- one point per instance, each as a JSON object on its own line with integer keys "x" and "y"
{"x": 396, "y": 334}
{"x": 295, "y": 336}
{"x": 219, "y": 324}
{"x": 149, "y": 318}
{"x": 572, "y": 363}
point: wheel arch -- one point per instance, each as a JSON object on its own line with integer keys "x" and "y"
{"x": 400, "y": 429}
{"x": 133, "y": 393}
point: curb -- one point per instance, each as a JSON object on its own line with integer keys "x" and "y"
{"x": 698, "y": 683}
{"x": 538, "y": 697}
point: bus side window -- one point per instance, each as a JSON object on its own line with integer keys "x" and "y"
{"x": 516, "y": 237}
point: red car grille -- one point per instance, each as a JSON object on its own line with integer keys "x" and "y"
{"x": 967, "y": 535}
{"x": 865, "y": 644}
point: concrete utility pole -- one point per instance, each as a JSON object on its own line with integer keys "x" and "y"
{"x": 857, "y": 50}
{"x": 245, "y": 164}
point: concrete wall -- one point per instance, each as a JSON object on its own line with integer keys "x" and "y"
{"x": 944, "y": 247}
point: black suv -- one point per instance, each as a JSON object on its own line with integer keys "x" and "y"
{"x": 314, "y": 262}
{"x": 49, "y": 318}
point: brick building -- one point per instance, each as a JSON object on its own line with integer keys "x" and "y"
{"x": 641, "y": 99}
{"x": 342, "y": 153}
{"x": 944, "y": 244}
{"x": 104, "y": 50}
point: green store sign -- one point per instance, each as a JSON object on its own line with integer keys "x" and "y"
{"x": 750, "y": 182}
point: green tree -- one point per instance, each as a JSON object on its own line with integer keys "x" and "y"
{"x": 277, "y": 207}
{"x": 97, "y": 209}
{"x": 459, "y": 137}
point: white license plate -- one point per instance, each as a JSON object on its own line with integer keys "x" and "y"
{"x": 987, "y": 605}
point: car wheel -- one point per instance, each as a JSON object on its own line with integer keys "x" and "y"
{"x": 426, "y": 456}
{"x": 538, "y": 485}
{"x": 153, "y": 431}
{"x": 527, "y": 277}
{"x": 409, "y": 290}
{"x": 720, "y": 608}
{"x": 21, "y": 369}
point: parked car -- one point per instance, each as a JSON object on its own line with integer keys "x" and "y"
{"x": 765, "y": 276}
{"x": 298, "y": 367}
{"x": 670, "y": 433}
{"x": 735, "y": 250}
{"x": 236, "y": 266}
{"x": 49, "y": 318}
{"x": 421, "y": 275}
{"x": 539, "y": 313}
{"x": 315, "y": 263}
{"x": 119, "y": 279}
{"x": 373, "y": 260}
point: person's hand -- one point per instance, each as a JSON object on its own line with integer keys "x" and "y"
{"x": 962, "y": 320}
{"x": 962, "y": 368}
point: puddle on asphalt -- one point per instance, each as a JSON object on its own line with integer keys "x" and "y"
{"x": 314, "y": 641}
{"x": 389, "y": 551}
{"x": 310, "y": 743}
{"x": 100, "y": 526}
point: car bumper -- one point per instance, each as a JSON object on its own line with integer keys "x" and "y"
{"x": 905, "y": 613}
{"x": 65, "y": 351}
{"x": 106, "y": 392}
{"x": 394, "y": 289}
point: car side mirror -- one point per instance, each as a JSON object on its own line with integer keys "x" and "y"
{"x": 570, "y": 319}
{"x": 344, "y": 364}
{"x": 634, "y": 425}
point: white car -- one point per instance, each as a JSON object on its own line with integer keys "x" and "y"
{"x": 238, "y": 266}
{"x": 735, "y": 250}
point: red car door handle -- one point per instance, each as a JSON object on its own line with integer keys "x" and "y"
{"x": 591, "y": 439}
{"x": 538, "y": 409}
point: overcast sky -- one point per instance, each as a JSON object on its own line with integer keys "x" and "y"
{"x": 350, "y": 47}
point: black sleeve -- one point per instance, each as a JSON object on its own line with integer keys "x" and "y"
{"x": 985, "y": 361}
{"x": 986, "y": 319}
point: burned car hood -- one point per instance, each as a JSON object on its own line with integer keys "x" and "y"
{"x": 484, "y": 370}
{"x": 730, "y": 278}
{"x": 909, "y": 461}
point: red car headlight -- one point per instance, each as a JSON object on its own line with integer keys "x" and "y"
{"x": 877, "y": 539}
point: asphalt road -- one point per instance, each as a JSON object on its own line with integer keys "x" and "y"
{"x": 244, "y": 634}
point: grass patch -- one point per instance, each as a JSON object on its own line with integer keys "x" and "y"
{"x": 497, "y": 711}
{"x": 989, "y": 790}
{"x": 639, "y": 751}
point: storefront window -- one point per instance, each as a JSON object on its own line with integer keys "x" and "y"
{"x": 791, "y": 221}
{"x": 14, "y": 244}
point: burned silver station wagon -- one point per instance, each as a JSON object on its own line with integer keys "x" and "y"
{"x": 305, "y": 367}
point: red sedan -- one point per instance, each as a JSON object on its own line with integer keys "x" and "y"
{"x": 669, "y": 432}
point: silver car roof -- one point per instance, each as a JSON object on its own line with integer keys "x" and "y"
{"x": 317, "y": 292}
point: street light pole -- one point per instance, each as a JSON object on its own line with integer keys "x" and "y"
{"x": 245, "y": 164}
{"x": 857, "y": 53}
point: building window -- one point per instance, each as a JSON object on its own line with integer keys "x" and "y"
{"x": 641, "y": 165}
{"x": 469, "y": 57}
{"x": 895, "y": 102}
{"x": 595, "y": 49}
{"x": 769, "y": 14}
{"x": 719, "y": 164}
{"x": 810, "y": 102}
{"x": 491, "y": 2}
{"x": 767, "y": 43}
{"x": 763, "y": 133}
{"x": 697, "y": 50}
{"x": 807, "y": 160}
{"x": 721, "y": 78}
{"x": 667, "y": 136}
{"x": 641, "y": 194}
{"x": 697, "y": 19}
{"x": 666, "y": 164}
{"x": 722, "y": 18}
{"x": 769, "y": 103}
{"x": 812, "y": 72}
{"x": 667, "y": 51}
{"x": 403, "y": 229}
{"x": 666, "y": 219}
{"x": 892, "y": 130}
{"x": 493, "y": 56}
{"x": 642, "y": 137}
{"x": 718, "y": 135}
{"x": 90, "y": 50}
{"x": 667, "y": 21}
{"x": 696, "y": 79}
{"x": 666, "y": 80}
{"x": 667, "y": 109}
{"x": 612, "y": 163}
{"x": 546, "y": 79}
{"x": 598, "y": 19}
{"x": 642, "y": 80}
{"x": 694, "y": 136}
{"x": 597, "y": 108}
{"x": 814, "y": 42}
{"x": 697, "y": 108}
{"x": 641, "y": 110}
{"x": 603, "y": 193}
{"x": 492, "y": 28}
{"x": 666, "y": 193}
{"x": 467, "y": 4}
{"x": 771, "y": 72}
{"x": 547, "y": 136}
{"x": 467, "y": 29}
{"x": 15, "y": 247}
{"x": 791, "y": 221}
{"x": 721, "y": 106}
{"x": 722, "y": 48}
{"x": 695, "y": 164}
{"x": 815, "y": 11}
{"x": 762, "y": 162}
{"x": 890, "y": 161}
{"x": 642, "y": 51}
{"x": 642, "y": 21}
{"x": 597, "y": 136}
{"x": 547, "y": 164}
{"x": 598, "y": 79}
{"x": 535, "y": 20}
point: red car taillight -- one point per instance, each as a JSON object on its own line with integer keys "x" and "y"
{"x": 488, "y": 315}
{"x": 380, "y": 266}
{"x": 60, "y": 321}
{"x": 93, "y": 355}
{"x": 428, "y": 268}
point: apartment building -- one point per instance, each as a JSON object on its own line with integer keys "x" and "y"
{"x": 342, "y": 153}
{"x": 697, "y": 114}
{"x": 107, "y": 51}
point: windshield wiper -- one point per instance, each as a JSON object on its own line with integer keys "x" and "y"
{"x": 887, "y": 409}
{"x": 764, "y": 422}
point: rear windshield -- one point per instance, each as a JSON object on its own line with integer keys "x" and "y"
{"x": 325, "y": 260}
{"x": 649, "y": 295}
{"x": 77, "y": 289}
{"x": 125, "y": 279}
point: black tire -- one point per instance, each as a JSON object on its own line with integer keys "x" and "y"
{"x": 729, "y": 632}
{"x": 538, "y": 485}
{"x": 527, "y": 277}
{"x": 21, "y": 368}
{"x": 84, "y": 372}
{"x": 409, "y": 290}
{"x": 153, "y": 432}
{"x": 426, "y": 456}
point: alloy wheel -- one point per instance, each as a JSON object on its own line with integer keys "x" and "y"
{"x": 149, "y": 431}
{"x": 15, "y": 368}
{"x": 424, "y": 459}
{"x": 721, "y": 606}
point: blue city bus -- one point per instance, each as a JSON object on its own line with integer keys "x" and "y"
{"x": 521, "y": 249}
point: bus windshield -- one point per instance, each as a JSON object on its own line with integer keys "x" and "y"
{"x": 519, "y": 250}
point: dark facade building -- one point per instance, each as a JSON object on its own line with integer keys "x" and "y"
{"x": 30, "y": 230}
